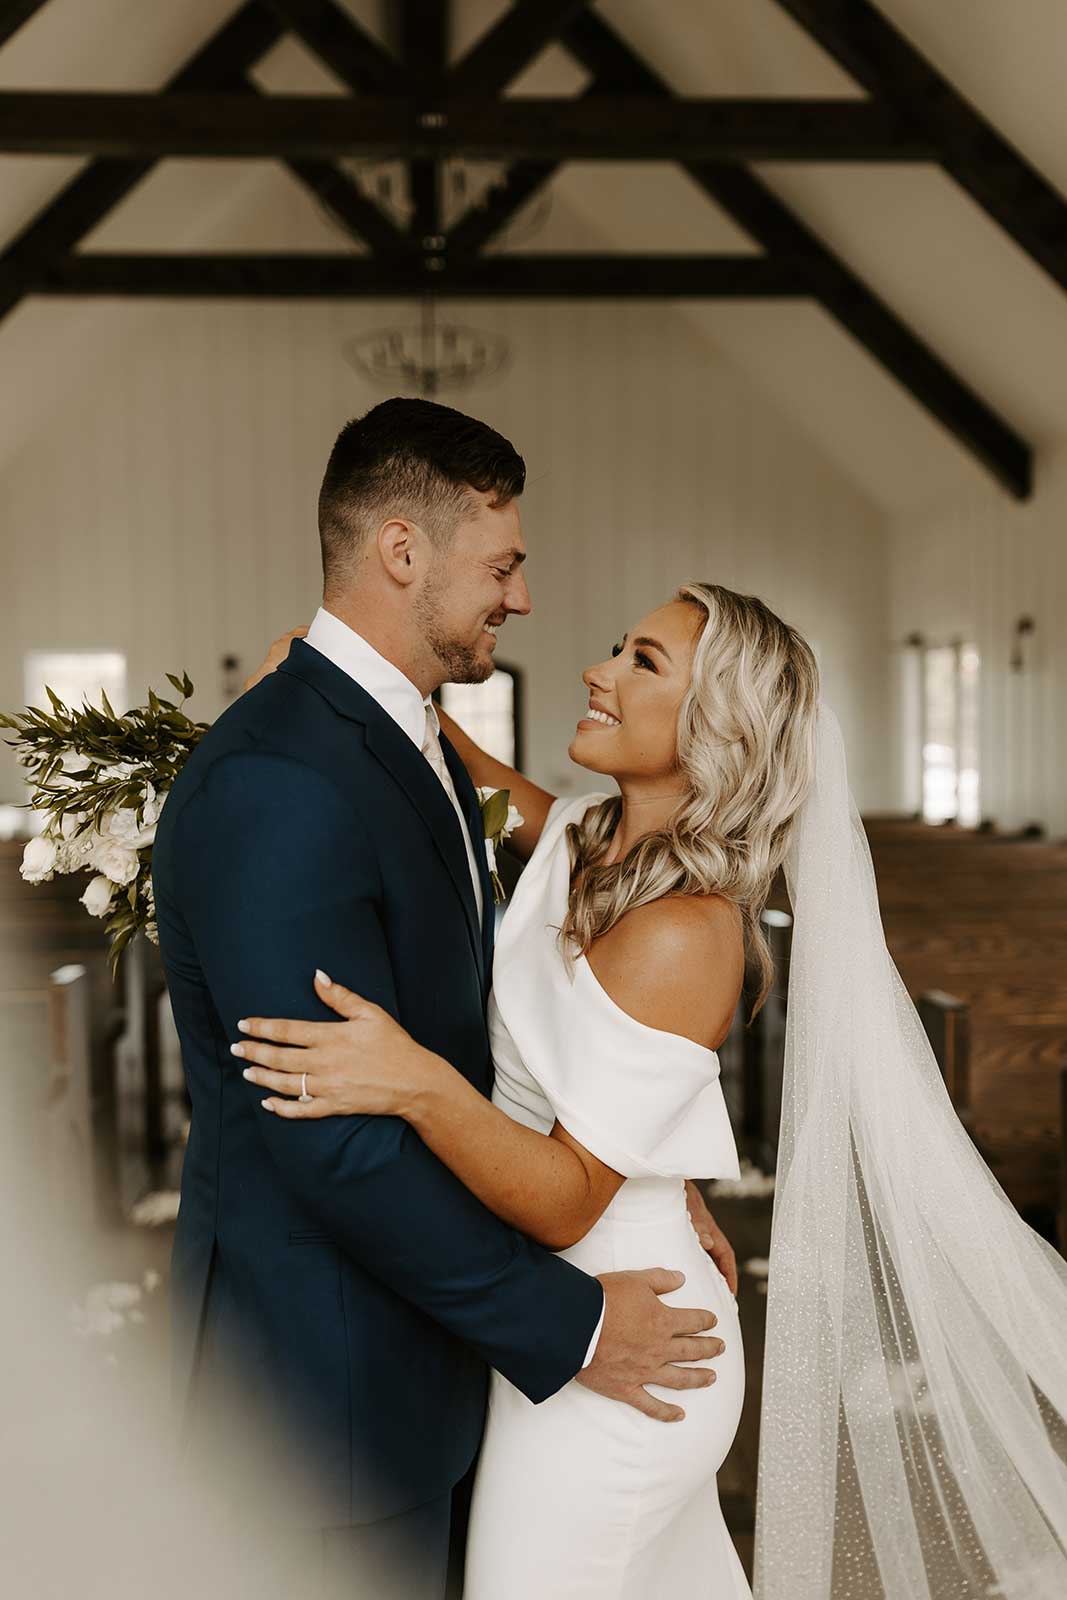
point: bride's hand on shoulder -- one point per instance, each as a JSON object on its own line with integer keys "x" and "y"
{"x": 275, "y": 656}
{"x": 366, "y": 1063}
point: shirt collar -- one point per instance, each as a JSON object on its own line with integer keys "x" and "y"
{"x": 382, "y": 680}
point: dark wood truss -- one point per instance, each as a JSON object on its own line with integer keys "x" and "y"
{"x": 408, "y": 102}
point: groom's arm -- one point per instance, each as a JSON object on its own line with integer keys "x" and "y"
{"x": 278, "y": 881}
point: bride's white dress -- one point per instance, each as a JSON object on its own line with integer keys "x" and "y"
{"x": 582, "y": 1496}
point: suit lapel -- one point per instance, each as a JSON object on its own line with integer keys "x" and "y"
{"x": 405, "y": 764}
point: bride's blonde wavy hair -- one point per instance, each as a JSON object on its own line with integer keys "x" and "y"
{"x": 746, "y": 753}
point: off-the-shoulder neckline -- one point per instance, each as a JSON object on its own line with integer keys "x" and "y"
{"x": 661, "y": 1033}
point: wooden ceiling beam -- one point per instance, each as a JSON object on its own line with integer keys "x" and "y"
{"x": 424, "y": 29}
{"x": 500, "y": 204}
{"x": 13, "y": 13}
{"x": 837, "y": 288}
{"x": 586, "y": 128}
{"x": 84, "y": 202}
{"x": 992, "y": 171}
{"x": 508, "y": 47}
{"x": 344, "y": 48}
{"x": 350, "y": 207}
{"x": 317, "y": 276}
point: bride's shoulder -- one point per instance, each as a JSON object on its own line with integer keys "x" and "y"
{"x": 677, "y": 964}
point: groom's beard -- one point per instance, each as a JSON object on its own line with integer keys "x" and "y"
{"x": 461, "y": 660}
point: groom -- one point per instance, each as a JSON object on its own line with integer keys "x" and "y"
{"x": 331, "y": 1276}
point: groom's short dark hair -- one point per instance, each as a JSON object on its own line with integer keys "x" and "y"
{"x": 414, "y": 459}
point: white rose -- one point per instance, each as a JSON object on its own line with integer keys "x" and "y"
{"x": 114, "y": 859}
{"x": 117, "y": 772}
{"x": 73, "y": 852}
{"x": 122, "y": 825}
{"x": 98, "y": 896}
{"x": 39, "y": 859}
{"x": 515, "y": 820}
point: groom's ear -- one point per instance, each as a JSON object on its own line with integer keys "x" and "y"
{"x": 400, "y": 545}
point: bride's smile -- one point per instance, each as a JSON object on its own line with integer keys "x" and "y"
{"x": 629, "y": 730}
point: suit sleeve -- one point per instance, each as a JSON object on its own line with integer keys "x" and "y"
{"x": 278, "y": 880}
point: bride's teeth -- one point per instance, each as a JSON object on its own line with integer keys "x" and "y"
{"x": 602, "y": 716}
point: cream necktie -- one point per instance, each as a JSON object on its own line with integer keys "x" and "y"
{"x": 431, "y": 749}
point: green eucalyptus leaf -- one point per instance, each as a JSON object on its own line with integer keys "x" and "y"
{"x": 495, "y": 812}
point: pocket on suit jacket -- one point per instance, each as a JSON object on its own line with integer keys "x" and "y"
{"x": 308, "y": 1236}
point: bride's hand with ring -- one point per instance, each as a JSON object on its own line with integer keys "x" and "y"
{"x": 366, "y": 1063}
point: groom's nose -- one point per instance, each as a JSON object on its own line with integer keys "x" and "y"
{"x": 517, "y": 595}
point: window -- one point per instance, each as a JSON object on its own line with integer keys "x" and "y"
{"x": 490, "y": 712}
{"x": 949, "y": 741}
{"x": 75, "y": 675}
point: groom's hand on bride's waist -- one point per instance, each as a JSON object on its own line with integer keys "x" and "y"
{"x": 644, "y": 1341}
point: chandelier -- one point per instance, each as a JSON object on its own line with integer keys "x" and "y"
{"x": 425, "y": 359}
{"x": 435, "y": 353}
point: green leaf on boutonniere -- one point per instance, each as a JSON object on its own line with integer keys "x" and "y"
{"x": 495, "y": 812}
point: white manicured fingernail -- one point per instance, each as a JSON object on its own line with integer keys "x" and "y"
{"x": 243, "y": 1025}
{"x": 237, "y": 1049}
{"x": 323, "y": 979}
{"x": 247, "y": 1073}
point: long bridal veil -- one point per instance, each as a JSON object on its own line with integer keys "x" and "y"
{"x": 913, "y": 1430}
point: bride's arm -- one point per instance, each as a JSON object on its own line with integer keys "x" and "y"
{"x": 486, "y": 772}
{"x": 546, "y": 1185}
{"x": 669, "y": 964}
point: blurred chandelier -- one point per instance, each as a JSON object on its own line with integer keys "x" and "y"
{"x": 433, "y": 356}
{"x": 437, "y": 353}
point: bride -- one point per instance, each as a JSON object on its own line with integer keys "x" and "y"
{"x": 618, "y": 969}
{"x": 913, "y": 1428}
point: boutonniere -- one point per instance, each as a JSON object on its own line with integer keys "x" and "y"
{"x": 499, "y": 821}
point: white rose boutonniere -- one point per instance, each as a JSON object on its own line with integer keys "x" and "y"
{"x": 499, "y": 821}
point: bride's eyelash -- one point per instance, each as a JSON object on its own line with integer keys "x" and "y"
{"x": 639, "y": 656}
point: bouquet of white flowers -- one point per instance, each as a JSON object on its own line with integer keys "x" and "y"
{"x": 101, "y": 780}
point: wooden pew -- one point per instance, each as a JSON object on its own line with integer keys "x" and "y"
{"x": 1061, "y": 1216}
{"x": 150, "y": 1096}
{"x": 44, "y": 928}
{"x": 69, "y": 1156}
{"x": 25, "y": 1066}
{"x": 947, "y": 1024}
{"x": 986, "y": 919}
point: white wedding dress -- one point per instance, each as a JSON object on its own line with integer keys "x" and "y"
{"x": 581, "y": 1497}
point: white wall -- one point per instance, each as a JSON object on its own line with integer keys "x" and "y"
{"x": 169, "y": 508}
{"x": 971, "y": 572}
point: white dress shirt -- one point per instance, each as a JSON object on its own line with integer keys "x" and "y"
{"x": 409, "y": 709}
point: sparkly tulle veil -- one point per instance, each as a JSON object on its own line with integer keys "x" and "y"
{"x": 913, "y": 1430}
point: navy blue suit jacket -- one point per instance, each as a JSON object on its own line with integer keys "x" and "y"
{"x": 355, "y": 1288}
